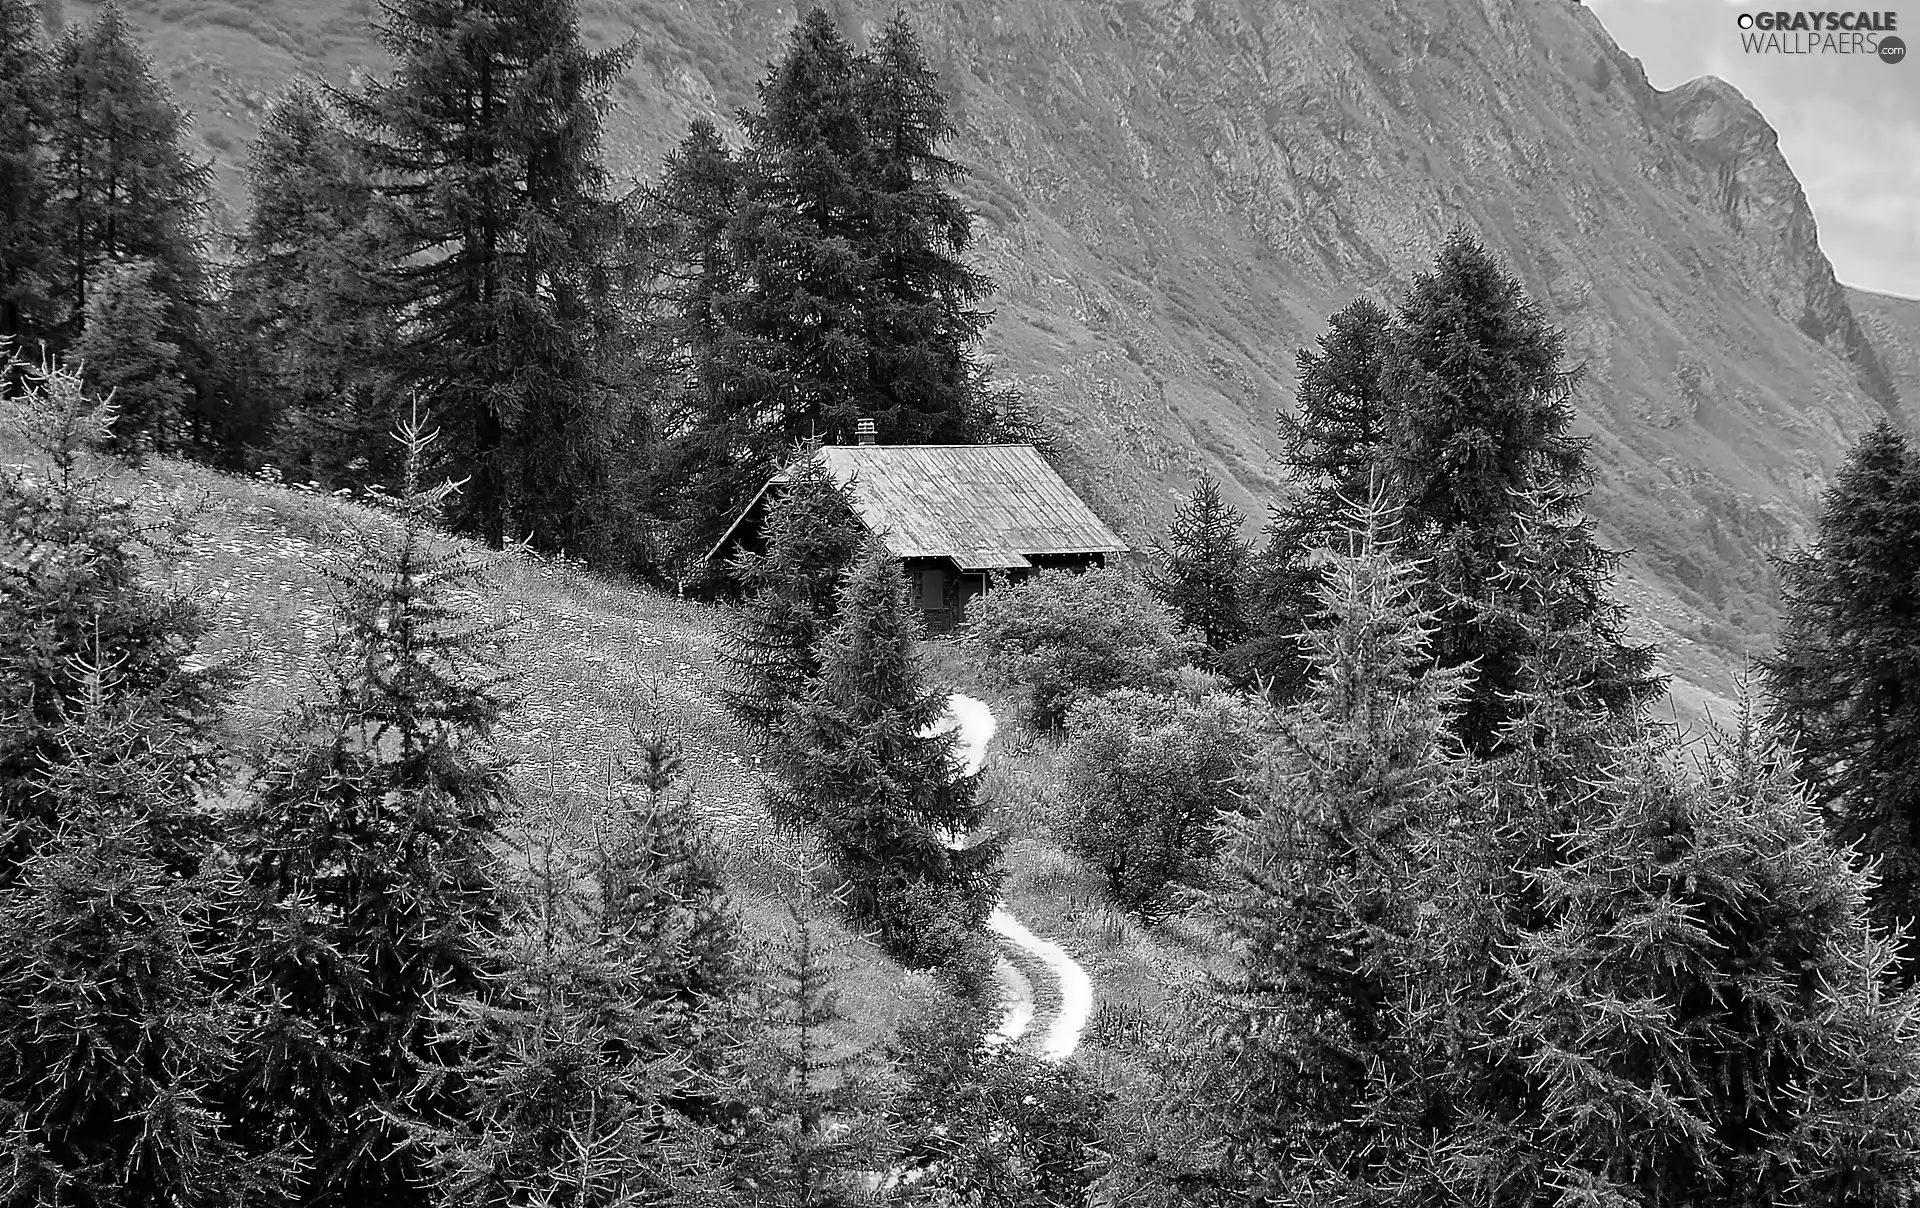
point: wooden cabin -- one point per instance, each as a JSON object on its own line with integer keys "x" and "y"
{"x": 953, "y": 515}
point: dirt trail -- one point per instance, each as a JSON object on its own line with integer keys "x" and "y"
{"x": 976, "y": 725}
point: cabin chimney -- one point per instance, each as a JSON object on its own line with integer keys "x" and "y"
{"x": 864, "y": 432}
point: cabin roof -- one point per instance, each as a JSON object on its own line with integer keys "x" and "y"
{"x": 983, "y": 506}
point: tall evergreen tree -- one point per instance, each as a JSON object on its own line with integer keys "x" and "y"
{"x": 1843, "y": 680}
{"x": 924, "y": 320}
{"x": 1480, "y": 407}
{"x": 371, "y": 883}
{"x": 1335, "y": 445}
{"x": 24, "y": 250}
{"x": 498, "y": 238}
{"x": 703, "y": 462}
{"x": 123, "y": 187}
{"x": 302, "y": 296}
{"x": 792, "y": 588}
{"x": 860, "y": 769}
{"x": 1202, "y": 567}
{"x": 853, "y": 301}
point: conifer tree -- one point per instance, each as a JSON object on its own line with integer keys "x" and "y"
{"x": 1202, "y": 570}
{"x": 703, "y": 464}
{"x": 70, "y": 590}
{"x": 925, "y": 323}
{"x": 1697, "y": 1019}
{"x": 854, "y": 301}
{"x": 813, "y": 1119}
{"x": 1843, "y": 680}
{"x": 122, "y": 185}
{"x": 124, "y": 355}
{"x": 302, "y": 294}
{"x": 791, "y": 591}
{"x": 1317, "y": 899}
{"x": 371, "y": 881}
{"x": 860, "y": 769}
{"x": 500, "y": 240}
{"x": 1334, "y": 448}
{"x": 24, "y": 251}
{"x": 119, "y": 1018}
{"x": 1479, "y": 444}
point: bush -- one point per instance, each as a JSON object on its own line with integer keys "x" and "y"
{"x": 1070, "y": 636}
{"x": 1146, "y": 778}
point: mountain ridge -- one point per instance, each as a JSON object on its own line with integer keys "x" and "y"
{"x": 1175, "y": 194}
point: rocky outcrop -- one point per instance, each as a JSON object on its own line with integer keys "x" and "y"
{"x": 1756, "y": 191}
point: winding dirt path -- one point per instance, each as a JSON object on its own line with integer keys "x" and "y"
{"x": 976, "y": 725}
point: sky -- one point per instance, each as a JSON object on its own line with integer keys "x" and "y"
{"x": 1849, "y": 124}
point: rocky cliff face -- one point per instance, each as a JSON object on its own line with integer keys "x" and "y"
{"x": 1174, "y": 194}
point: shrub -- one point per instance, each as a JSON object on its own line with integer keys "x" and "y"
{"x": 1071, "y": 636}
{"x": 1146, "y": 778}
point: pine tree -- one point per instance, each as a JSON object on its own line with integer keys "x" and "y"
{"x": 485, "y": 144}
{"x": 124, "y": 355}
{"x": 302, "y": 295}
{"x": 1849, "y": 656}
{"x": 1316, "y": 898}
{"x": 24, "y": 251}
{"x": 860, "y": 769}
{"x": 1202, "y": 568}
{"x": 813, "y": 1115}
{"x": 1479, "y": 445}
{"x": 791, "y": 592}
{"x": 1334, "y": 448}
{"x": 70, "y": 590}
{"x": 122, "y": 185}
{"x": 370, "y": 873}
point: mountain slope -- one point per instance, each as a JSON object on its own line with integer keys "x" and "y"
{"x": 1893, "y": 324}
{"x": 1175, "y": 194}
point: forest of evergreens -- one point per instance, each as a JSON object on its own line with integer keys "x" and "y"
{"x": 1486, "y": 932}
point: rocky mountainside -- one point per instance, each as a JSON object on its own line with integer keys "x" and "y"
{"x": 1174, "y": 194}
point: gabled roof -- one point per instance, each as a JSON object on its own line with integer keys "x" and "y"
{"x": 984, "y": 506}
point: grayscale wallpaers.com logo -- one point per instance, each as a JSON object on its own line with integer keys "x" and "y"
{"x": 1824, "y": 33}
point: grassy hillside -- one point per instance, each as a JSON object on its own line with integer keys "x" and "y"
{"x": 1894, "y": 325}
{"x": 585, "y": 653}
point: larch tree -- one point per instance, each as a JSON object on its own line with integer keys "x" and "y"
{"x": 854, "y": 300}
{"x": 122, "y": 184}
{"x": 498, "y": 238}
{"x": 1479, "y": 443}
{"x": 25, "y": 252}
{"x": 1317, "y": 896}
{"x": 304, "y": 297}
{"x": 1842, "y": 682}
{"x": 701, "y": 466}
